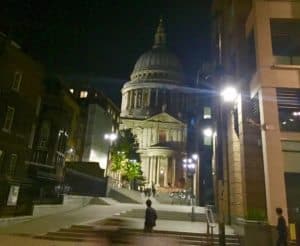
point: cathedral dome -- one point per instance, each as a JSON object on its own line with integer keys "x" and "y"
{"x": 159, "y": 62}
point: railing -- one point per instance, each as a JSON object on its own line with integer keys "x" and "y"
{"x": 210, "y": 225}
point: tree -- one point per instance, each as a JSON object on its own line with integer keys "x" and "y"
{"x": 118, "y": 160}
{"x": 132, "y": 171}
{"x": 125, "y": 158}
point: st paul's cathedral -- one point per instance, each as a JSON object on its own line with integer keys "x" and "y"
{"x": 156, "y": 106}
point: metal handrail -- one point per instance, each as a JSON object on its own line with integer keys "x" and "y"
{"x": 210, "y": 225}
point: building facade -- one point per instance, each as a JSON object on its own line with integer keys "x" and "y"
{"x": 257, "y": 44}
{"x": 99, "y": 116}
{"x": 20, "y": 90}
{"x": 38, "y": 119}
{"x": 55, "y": 135}
{"x": 157, "y": 104}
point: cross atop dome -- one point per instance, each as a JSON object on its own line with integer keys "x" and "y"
{"x": 160, "y": 39}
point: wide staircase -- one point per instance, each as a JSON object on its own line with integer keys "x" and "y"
{"x": 112, "y": 232}
{"x": 166, "y": 215}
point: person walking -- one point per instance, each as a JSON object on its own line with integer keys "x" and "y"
{"x": 281, "y": 228}
{"x": 153, "y": 190}
{"x": 150, "y": 217}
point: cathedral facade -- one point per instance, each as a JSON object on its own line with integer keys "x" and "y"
{"x": 156, "y": 104}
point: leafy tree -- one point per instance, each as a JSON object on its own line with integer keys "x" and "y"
{"x": 132, "y": 171}
{"x": 124, "y": 156}
{"x": 117, "y": 161}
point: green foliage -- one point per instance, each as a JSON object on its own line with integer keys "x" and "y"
{"x": 132, "y": 170}
{"x": 124, "y": 156}
{"x": 127, "y": 144}
{"x": 117, "y": 161}
{"x": 256, "y": 214}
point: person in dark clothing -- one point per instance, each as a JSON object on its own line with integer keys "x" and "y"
{"x": 150, "y": 217}
{"x": 153, "y": 190}
{"x": 281, "y": 228}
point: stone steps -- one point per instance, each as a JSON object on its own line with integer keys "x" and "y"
{"x": 165, "y": 215}
{"x": 118, "y": 236}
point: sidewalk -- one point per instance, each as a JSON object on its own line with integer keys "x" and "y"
{"x": 84, "y": 215}
{"x": 93, "y": 214}
{"x": 8, "y": 240}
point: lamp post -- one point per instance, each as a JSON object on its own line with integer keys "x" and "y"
{"x": 227, "y": 95}
{"x": 196, "y": 158}
{"x": 190, "y": 167}
{"x": 111, "y": 137}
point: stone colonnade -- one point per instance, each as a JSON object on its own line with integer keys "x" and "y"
{"x": 159, "y": 170}
{"x": 156, "y": 97}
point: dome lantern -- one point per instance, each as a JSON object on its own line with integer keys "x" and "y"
{"x": 159, "y": 63}
{"x": 160, "y": 39}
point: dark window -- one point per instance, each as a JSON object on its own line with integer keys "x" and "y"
{"x": 289, "y": 109}
{"x": 286, "y": 40}
{"x": 12, "y": 165}
{"x": 251, "y": 54}
{"x": 162, "y": 136}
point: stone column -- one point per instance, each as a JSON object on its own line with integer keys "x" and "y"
{"x": 128, "y": 100}
{"x": 150, "y": 169}
{"x": 156, "y": 97}
{"x": 158, "y": 169}
{"x": 131, "y": 98}
{"x": 174, "y": 171}
{"x": 149, "y": 98}
{"x": 272, "y": 155}
{"x": 166, "y": 172}
{"x": 154, "y": 169}
{"x": 134, "y": 98}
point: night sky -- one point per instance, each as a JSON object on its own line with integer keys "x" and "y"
{"x": 106, "y": 37}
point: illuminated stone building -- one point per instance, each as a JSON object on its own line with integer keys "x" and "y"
{"x": 257, "y": 44}
{"x": 99, "y": 116}
{"x": 157, "y": 104}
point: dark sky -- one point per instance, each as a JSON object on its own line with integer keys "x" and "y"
{"x": 106, "y": 37}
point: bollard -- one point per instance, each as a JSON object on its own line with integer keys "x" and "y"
{"x": 193, "y": 213}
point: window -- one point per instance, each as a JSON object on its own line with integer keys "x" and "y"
{"x": 62, "y": 141}
{"x": 285, "y": 34}
{"x": 31, "y": 137}
{"x": 251, "y": 56}
{"x": 207, "y": 113}
{"x": 207, "y": 140}
{"x": 288, "y": 101}
{"x": 44, "y": 135}
{"x": 71, "y": 90}
{"x": 17, "y": 81}
{"x": 8, "y": 119}
{"x": 83, "y": 94}
{"x": 12, "y": 165}
{"x": 162, "y": 136}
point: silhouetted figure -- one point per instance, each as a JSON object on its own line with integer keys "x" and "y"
{"x": 281, "y": 228}
{"x": 153, "y": 190}
{"x": 150, "y": 217}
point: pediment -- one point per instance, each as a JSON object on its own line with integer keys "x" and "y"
{"x": 164, "y": 117}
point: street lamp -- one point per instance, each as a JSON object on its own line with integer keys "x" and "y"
{"x": 190, "y": 168}
{"x": 228, "y": 95}
{"x": 196, "y": 158}
{"x": 111, "y": 137}
{"x": 208, "y": 132}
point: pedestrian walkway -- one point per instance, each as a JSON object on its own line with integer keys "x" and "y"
{"x": 93, "y": 215}
{"x": 53, "y": 222}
